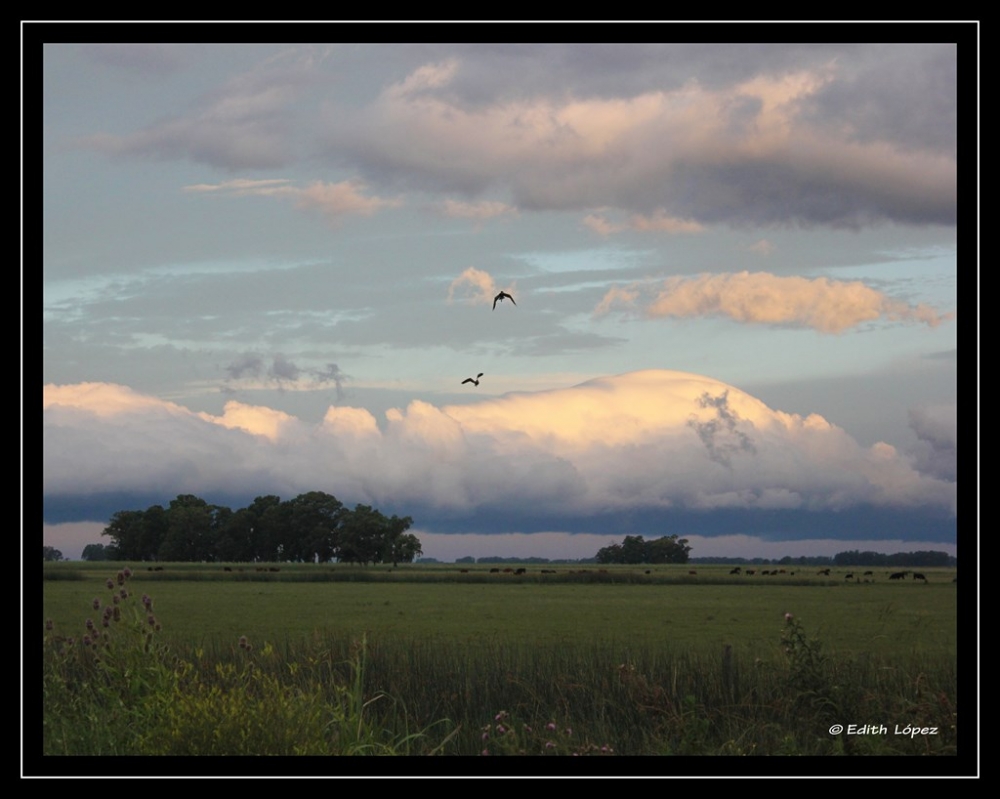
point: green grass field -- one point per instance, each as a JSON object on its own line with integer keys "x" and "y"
{"x": 669, "y": 607}
{"x": 664, "y": 662}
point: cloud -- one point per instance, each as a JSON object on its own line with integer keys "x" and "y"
{"x": 244, "y": 124}
{"x": 644, "y": 442}
{"x": 829, "y": 306}
{"x": 474, "y": 286}
{"x": 761, "y": 247}
{"x": 477, "y": 210}
{"x": 657, "y": 222}
{"x": 253, "y": 371}
{"x": 937, "y": 429}
{"x": 334, "y": 200}
{"x": 761, "y": 150}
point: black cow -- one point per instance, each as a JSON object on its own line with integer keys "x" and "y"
{"x": 520, "y": 571}
{"x": 898, "y": 576}
{"x": 494, "y": 571}
{"x": 824, "y": 571}
{"x": 919, "y": 576}
{"x": 735, "y": 571}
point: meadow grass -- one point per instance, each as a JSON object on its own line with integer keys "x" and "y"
{"x": 503, "y": 665}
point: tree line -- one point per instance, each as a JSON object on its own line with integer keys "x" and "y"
{"x": 634, "y": 549}
{"x": 312, "y": 527}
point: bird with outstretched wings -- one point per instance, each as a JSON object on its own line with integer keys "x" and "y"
{"x": 499, "y": 298}
{"x": 473, "y": 380}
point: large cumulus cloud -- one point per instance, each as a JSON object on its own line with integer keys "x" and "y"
{"x": 640, "y": 442}
{"x": 759, "y": 150}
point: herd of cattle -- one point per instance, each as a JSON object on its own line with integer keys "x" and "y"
{"x": 868, "y": 576}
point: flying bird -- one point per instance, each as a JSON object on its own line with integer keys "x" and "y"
{"x": 499, "y": 298}
{"x": 473, "y": 380}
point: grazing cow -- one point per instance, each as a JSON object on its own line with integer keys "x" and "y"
{"x": 919, "y": 576}
{"x": 463, "y": 571}
{"x": 648, "y": 571}
{"x": 273, "y": 569}
{"x": 692, "y": 572}
{"x": 849, "y": 576}
{"x": 751, "y": 572}
{"x": 824, "y": 571}
{"x": 898, "y": 576}
{"x": 868, "y": 574}
{"x": 781, "y": 571}
{"x": 520, "y": 571}
{"x": 766, "y": 572}
{"x": 508, "y": 570}
{"x": 226, "y": 569}
{"x": 494, "y": 571}
{"x": 735, "y": 571}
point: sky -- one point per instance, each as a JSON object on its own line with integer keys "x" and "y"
{"x": 270, "y": 268}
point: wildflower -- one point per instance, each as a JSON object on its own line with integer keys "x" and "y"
{"x": 485, "y": 752}
{"x": 500, "y": 715}
{"x": 86, "y": 640}
{"x": 549, "y": 745}
{"x": 567, "y": 731}
{"x": 123, "y": 593}
{"x": 501, "y": 729}
{"x": 121, "y": 578}
{"x": 486, "y": 736}
{"x": 110, "y": 584}
{"x": 551, "y": 726}
{"x": 97, "y": 603}
{"x": 116, "y": 614}
{"x": 116, "y": 599}
{"x": 89, "y": 624}
{"x": 49, "y": 624}
{"x": 127, "y": 571}
{"x": 527, "y": 728}
{"x": 788, "y": 618}
{"x": 151, "y": 619}
{"x": 243, "y": 642}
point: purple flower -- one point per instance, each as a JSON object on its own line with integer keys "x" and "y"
{"x": 243, "y": 642}
{"x": 49, "y": 624}
{"x": 501, "y": 729}
{"x": 789, "y": 617}
{"x": 551, "y": 726}
{"x": 89, "y": 624}
{"x": 549, "y": 745}
{"x": 97, "y": 604}
{"x": 127, "y": 571}
{"x": 110, "y": 584}
{"x": 486, "y": 736}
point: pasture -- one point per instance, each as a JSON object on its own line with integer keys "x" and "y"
{"x": 620, "y": 605}
{"x": 443, "y": 659}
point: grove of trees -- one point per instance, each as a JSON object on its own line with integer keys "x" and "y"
{"x": 634, "y": 549}
{"x": 312, "y": 527}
